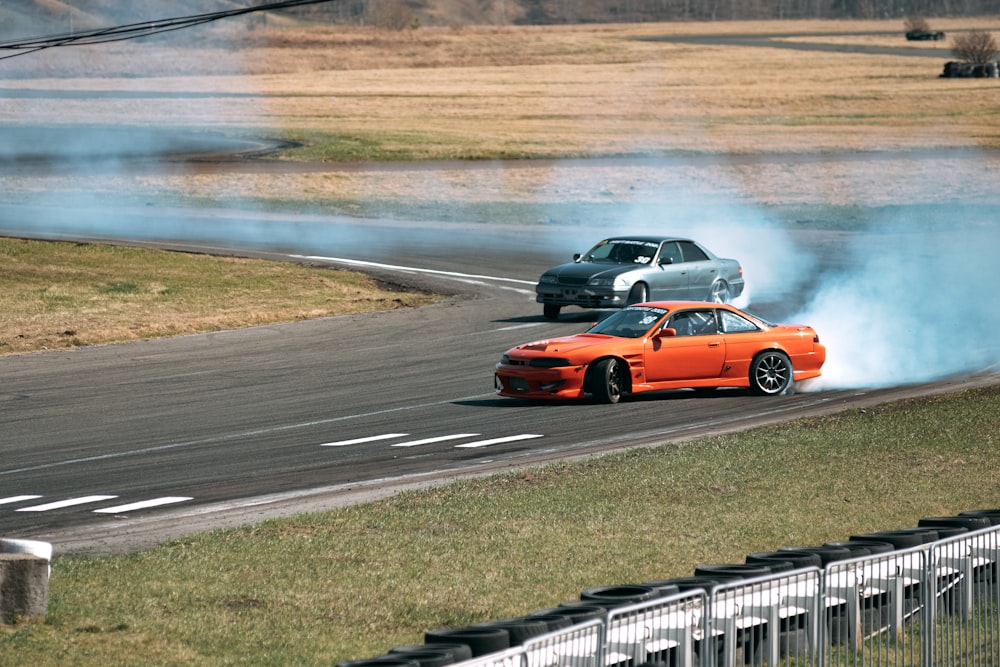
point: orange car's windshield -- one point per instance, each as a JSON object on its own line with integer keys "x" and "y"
{"x": 632, "y": 322}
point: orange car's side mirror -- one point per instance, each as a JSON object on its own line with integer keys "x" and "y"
{"x": 667, "y": 333}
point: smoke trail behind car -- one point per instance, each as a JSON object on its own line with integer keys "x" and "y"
{"x": 912, "y": 304}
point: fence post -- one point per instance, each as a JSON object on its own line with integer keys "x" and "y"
{"x": 773, "y": 628}
{"x": 852, "y": 621}
{"x": 24, "y": 586}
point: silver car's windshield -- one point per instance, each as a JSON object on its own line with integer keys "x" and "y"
{"x": 622, "y": 251}
{"x": 632, "y": 322}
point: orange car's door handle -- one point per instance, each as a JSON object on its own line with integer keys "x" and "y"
{"x": 714, "y": 344}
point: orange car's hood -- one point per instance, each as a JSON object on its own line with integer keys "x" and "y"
{"x": 565, "y": 345}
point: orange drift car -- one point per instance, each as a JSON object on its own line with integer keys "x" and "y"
{"x": 664, "y": 345}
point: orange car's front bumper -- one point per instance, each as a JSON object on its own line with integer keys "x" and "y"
{"x": 525, "y": 382}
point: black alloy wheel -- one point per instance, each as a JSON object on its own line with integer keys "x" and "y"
{"x": 608, "y": 381}
{"x": 770, "y": 373}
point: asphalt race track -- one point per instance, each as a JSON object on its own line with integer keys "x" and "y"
{"x": 116, "y": 447}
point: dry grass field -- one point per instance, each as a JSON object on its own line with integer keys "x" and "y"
{"x": 65, "y": 295}
{"x": 506, "y": 92}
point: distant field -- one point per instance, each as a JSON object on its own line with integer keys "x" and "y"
{"x": 361, "y": 94}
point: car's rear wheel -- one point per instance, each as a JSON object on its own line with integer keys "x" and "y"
{"x": 770, "y": 373}
{"x": 638, "y": 294}
{"x": 551, "y": 312}
{"x": 719, "y": 292}
{"x": 608, "y": 380}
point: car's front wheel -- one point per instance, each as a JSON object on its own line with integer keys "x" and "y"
{"x": 770, "y": 373}
{"x": 638, "y": 294}
{"x": 608, "y": 380}
{"x": 719, "y": 292}
{"x": 551, "y": 312}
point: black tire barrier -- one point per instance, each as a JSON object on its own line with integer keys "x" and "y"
{"x": 926, "y": 534}
{"x": 826, "y": 554}
{"x": 618, "y": 595}
{"x": 944, "y": 532}
{"x": 685, "y": 584}
{"x": 577, "y": 614}
{"x": 905, "y": 538}
{"x": 481, "y": 640}
{"x": 730, "y": 571}
{"x": 775, "y": 565}
{"x": 797, "y": 559}
{"x": 663, "y": 587}
{"x": 554, "y": 621}
{"x": 445, "y": 646}
{"x": 964, "y": 70}
{"x": 992, "y": 515}
{"x": 380, "y": 661}
{"x": 968, "y": 522}
{"x": 425, "y": 658}
{"x": 570, "y": 604}
{"x": 458, "y": 652}
{"x": 860, "y": 548}
{"x": 519, "y": 629}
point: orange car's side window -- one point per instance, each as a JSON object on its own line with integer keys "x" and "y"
{"x": 733, "y": 323}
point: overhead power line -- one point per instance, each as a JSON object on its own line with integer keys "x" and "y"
{"x": 136, "y": 30}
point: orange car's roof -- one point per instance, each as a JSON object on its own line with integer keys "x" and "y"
{"x": 674, "y": 305}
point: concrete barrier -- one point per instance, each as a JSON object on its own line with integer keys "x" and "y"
{"x": 24, "y": 578}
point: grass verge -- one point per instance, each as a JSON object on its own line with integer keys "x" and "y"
{"x": 63, "y": 295}
{"x": 352, "y": 583}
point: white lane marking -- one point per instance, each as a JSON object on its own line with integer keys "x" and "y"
{"x": 414, "y": 269}
{"x": 440, "y": 438}
{"x": 358, "y": 441}
{"x": 145, "y": 504}
{"x": 520, "y": 326}
{"x": 239, "y": 435}
{"x": 65, "y": 503}
{"x": 16, "y": 499}
{"x": 497, "y": 441}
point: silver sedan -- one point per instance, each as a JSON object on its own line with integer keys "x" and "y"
{"x": 624, "y": 270}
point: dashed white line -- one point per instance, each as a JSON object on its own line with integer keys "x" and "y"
{"x": 521, "y": 326}
{"x": 358, "y": 441}
{"x": 16, "y": 499}
{"x": 229, "y": 437}
{"x": 145, "y": 504}
{"x": 440, "y": 438}
{"x": 497, "y": 441}
{"x": 65, "y": 503}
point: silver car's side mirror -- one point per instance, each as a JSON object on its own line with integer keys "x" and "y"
{"x": 576, "y": 257}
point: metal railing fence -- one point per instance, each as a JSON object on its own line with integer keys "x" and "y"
{"x": 937, "y": 604}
